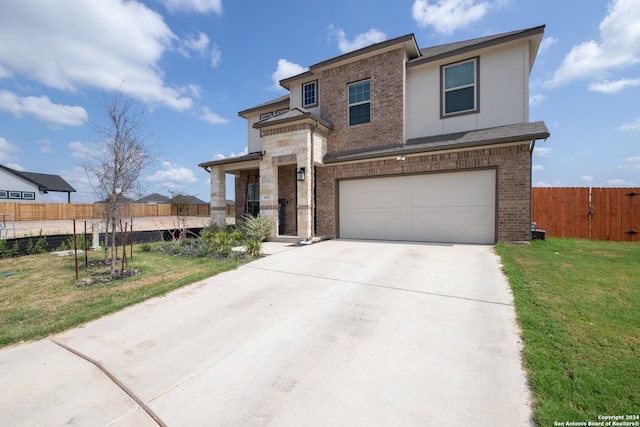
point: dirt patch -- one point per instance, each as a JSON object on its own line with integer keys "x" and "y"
{"x": 105, "y": 278}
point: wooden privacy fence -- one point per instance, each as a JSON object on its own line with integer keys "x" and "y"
{"x": 23, "y": 211}
{"x": 589, "y": 213}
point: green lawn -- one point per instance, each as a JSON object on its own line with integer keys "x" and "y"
{"x": 578, "y": 305}
{"x": 44, "y": 297}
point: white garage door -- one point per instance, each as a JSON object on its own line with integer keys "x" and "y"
{"x": 457, "y": 207}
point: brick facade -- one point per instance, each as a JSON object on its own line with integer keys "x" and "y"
{"x": 386, "y": 72}
{"x": 243, "y": 179}
{"x": 513, "y": 175}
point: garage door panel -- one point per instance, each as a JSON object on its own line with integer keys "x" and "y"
{"x": 454, "y": 207}
{"x": 370, "y": 223}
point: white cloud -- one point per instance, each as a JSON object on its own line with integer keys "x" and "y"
{"x": 614, "y": 86}
{"x": 78, "y": 179}
{"x": 618, "y": 46}
{"x": 546, "y": 43}
{"x": 285, "y": 69}
{"x": 199, "y": 44}
{"x": 200, "y": 6}
{"x": 542, "y": 151}
{"x": 216, "y": 56}
{"x": 82, "y": 150}
{"x": 74, "y": 44}
{"x": 633, "y": 126}
{"x": 537, "y": 168}
{"x": 536, "y": 100}
{"x": 209, "y": 116}
{"x": 587, "y": 178}
{"x": 172, "y": 175}
{"x": 618, "y": 182}
{"x": 542, "y": 184}
{"x": 632, "y": 159}
{"x": 446, "y": 16}
{"x": 43, "y": 109}
{"x": 361, "y": 40}
{"x": 5, "y": 149}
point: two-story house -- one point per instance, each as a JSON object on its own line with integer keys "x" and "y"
{"x": 395, "y": 142}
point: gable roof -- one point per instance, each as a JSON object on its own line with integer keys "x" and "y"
{"x": 190, "y": 200}
{"x": 154, "y": 198}
{"x": 281, "y": 101}
{"x": 45, "y": 182}
{"x": 496, "y": 135}
{"x": 293, "y": 115}
{"x": 436, "y": 53}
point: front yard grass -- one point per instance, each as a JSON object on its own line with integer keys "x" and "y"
{"x": 578, "y": 305}
{"x": 43, "y": 297}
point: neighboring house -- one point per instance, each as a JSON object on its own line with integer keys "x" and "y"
{"x": 19, "y": 186}
{"x": 395, "y": 142}
{"x": 154, "y": 199}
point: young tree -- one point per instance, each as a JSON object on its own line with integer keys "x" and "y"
{"x": 124, "y": 154}
{"x": 181, "y": 201}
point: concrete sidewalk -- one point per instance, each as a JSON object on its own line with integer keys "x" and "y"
{"x": 336, "y": 333}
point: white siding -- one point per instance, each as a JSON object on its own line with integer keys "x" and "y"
{"x": 503, "y": 92}
{"x": 10, "y": 182}
{"x": 255, "y": 142}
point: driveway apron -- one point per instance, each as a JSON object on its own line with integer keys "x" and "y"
{"x": 337, "y": 333}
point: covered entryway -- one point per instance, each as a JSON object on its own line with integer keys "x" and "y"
{"x": 455, "y": 207}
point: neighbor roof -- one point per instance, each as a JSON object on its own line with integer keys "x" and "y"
{"x": 496, "y": 135}
{"x": 45, "y": 182}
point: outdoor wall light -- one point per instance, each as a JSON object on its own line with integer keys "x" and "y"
{"x": 300, "y": 174}
{"x": 400, "y": 158}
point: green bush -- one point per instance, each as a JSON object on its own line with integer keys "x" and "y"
{"x": 145, "y": 247}
{"x": 39, "y": 247}
{"x": 6, "y": 251}
{"x": 255, "y": 227}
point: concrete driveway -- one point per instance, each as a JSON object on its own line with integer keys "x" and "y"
{"x": 338, "y": 333}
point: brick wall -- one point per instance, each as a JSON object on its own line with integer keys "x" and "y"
{"x": 386, "y": 72}
{"x": 242, "y": 180}
{"x": 287, "y": 189}
{"x": 513, "y": 174}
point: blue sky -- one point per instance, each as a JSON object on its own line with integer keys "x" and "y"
{"x": 195, "y": 63}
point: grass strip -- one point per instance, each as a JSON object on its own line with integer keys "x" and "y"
{"x": 577, "y": 303}
{"x": 43, "y": 297}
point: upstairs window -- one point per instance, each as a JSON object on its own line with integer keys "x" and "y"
{"x": 460, "y": 87}
{"x": 265, "y": 116}
{"x": 309, "y": 94}
{"x": 359, "y": 102}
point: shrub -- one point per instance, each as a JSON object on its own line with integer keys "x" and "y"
{"x": 39, "y": 247}
{"x": 255, "y": 227}
{"x": 145, "y": 247}
{"x": 254, "y": 247}
{"x": 6, "y": 251}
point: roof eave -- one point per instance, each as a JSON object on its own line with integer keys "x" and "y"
{"x": 308, "y": 117}
{"x": 531, "y": 32}
{"x": 413, "y": 146}
{"x": 278, "y": 102}
{"x": 246, "y": 158}
{"x": 409, "y": 42}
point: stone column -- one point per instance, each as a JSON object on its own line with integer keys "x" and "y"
{"x": 305, "y": 192}
{"x": 269, "y": 192}
{"x": 218, "y": 197}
